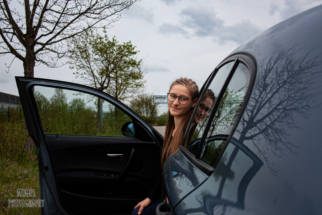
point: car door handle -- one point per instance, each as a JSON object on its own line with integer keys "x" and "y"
{"x": 123, "y": 175}
{"x": 115, "y": 155}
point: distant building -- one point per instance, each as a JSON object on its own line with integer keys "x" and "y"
{"x": 7, "y": 100}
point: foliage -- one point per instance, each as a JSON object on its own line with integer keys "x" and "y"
{"x": 228, "y": 109}
{"x": 18, "y": 167}
{"x": 143, "y": 105}
{"x": 18, "y": 175}
{"x": 13, "y": 134}
{"x": 162, "y": 119}
{"x": 213, "y": 151}
{"x": 225, "y": 114}
{"x": 58, "y": 116}
{"x": 38, "y": 31}
{"x": 106, "y": 65}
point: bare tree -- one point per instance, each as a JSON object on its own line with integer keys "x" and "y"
{"x": 283, "y": 91}
{"x": 36, "y": 32}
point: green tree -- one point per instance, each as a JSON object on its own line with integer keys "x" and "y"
{"x": 227, "y": 111}
{"x": 163, "y": 119}
{"x": 106, "y": 65}
{"x": 143, "y": 105}
{"x": 71, "y": 114}
{"x": 37, "y": 31}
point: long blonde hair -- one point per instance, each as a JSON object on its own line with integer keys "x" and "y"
{"x": 177, "y": 139}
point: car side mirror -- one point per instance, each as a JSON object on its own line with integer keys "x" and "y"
{"x": 128, "y": 129}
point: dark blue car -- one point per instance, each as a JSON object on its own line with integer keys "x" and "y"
{"x": 258, "y": 150}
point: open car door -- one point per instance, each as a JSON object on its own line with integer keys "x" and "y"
{"x": 95, "y": 155}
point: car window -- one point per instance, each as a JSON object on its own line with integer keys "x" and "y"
{"x": 69, "y": 112}
{"x": 225, "y": 117}
{"x": 206, "y": 105}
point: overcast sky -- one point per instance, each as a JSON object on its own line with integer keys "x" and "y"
{"x": 179, "y": 38}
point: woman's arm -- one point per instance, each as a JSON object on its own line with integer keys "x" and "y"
{"x": 154, "y": 196}
{"x": 146, "y": 202}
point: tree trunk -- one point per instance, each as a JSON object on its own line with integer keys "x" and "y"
{"x": 29, "y": 63}
{"x": 99, "y": 114}
{"x": 115, "y": 115}
{"x": 116, "y": 96}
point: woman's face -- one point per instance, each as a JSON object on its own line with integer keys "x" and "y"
{"x": 176, "y": 108}
{"x": 203, "y": 109}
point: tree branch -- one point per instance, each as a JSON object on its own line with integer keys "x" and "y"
{"x": 34, "y": 8}
{"x": 14, "y": 25}
{"x": 41, "y": 17}
{"x": 56, "y": 24}
{"x": 12, "y": 50}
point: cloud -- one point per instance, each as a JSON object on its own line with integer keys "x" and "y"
{"x": 273, "y": 8}
{"x": 203, "y": 22}
{"x": 288, "y": 8}
{"x": 155, "y": 68}
{"x": 167, "y": 28}
{"x": 291, "y": 8}
{"x": 169, "y": 2}
{"x": 138, "y": 12}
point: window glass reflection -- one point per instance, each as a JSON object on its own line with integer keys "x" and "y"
{"x": 226, "y": 113}
{"x": 206, "y": 105}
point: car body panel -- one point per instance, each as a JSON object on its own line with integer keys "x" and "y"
{"x": 182, "y": 173}
{"x": 226, "y": 185}
{"x": 280, "y": 127}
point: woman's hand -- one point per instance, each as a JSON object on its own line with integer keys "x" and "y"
{"x": 146, "y": 202}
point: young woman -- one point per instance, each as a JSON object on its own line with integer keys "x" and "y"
{"x": 205, "y": 106}
{"x": 182, "y": 98}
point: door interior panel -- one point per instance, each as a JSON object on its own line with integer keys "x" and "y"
{"x": 87, "y": 164}
{"x": 87, "y": 205}
{"x": 85, "y": 175}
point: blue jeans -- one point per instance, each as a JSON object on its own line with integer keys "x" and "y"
{"x": 150, "y": 210}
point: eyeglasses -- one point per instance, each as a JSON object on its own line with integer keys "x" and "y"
{"x": 202, "y": 107}
{"x": 182, "y": 99}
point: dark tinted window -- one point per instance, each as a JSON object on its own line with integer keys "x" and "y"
{"x": 206, "y": 105}
{"x": 226, "y": 114}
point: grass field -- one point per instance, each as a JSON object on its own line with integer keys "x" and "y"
{"x": 15, "y": 178}
{"x": 19, "y": 167}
